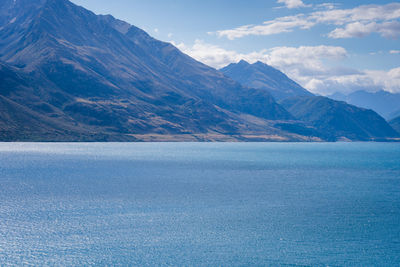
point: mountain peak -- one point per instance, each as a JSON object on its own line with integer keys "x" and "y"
{"x": 243, "y": 62}
{"x": 82, "y": 75}
{"x": 103, "y": 73}
{"x": 262, "y": 76}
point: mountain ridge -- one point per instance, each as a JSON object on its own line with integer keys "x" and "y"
{"x": 82, "y": 76}
{"x": 338, "y": 120}
{"x": 333, "y": 120}
{"x": 262, "y": 76}
{"x": 100, "y": 72}
{"x": 385, "y": 103}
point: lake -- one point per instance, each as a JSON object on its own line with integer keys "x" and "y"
{"x": 200, "y": 204}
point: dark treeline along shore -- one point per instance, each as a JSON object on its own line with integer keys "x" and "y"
{"x": 67, "y": 74}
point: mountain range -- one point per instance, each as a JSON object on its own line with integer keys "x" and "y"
{"x": 385, "y": 103}
{"x": 67, "y": 74}
{"x": 337, "y": 120}
{"x": 334, "y": 120}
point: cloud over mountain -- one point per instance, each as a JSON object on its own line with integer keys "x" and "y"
{"x": 307, "y": 56}
{"x": 305, "y": 64}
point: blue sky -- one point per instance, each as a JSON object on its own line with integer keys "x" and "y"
{"x": 326, "y": 46}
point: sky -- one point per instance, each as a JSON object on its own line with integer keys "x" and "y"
{"x": 326, "y": 46}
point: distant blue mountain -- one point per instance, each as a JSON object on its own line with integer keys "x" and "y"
{"x": 337, "y": 120}
{"x": 394, "y": 114}
{"x": 395, "y": 123}
{"x": 333, "y": 120}
{"x": 262, "y": 76}
{"x": 385, "y": 103}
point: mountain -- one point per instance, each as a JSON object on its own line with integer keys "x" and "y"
{"x": 384, "y": 103}
{"x": 337, "y": 120}
{"x": 394, "y": 114}
{"x": 67, "y": 74}
{"x": 333, "y": 120}
{"x": 395, "y": 123}
{"x": 265, "y": 77}
{"x": 35, "y": 119}
{"x": 77, "y": 74}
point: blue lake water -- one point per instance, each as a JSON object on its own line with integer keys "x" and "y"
{"x": 200, "y": 204}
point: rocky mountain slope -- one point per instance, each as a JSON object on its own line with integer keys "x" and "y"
{"x": 110, "y": 77}
{"x": 67, "y": 74}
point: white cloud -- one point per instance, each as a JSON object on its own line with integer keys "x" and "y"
{"x": 369, "y": 80}
{"x": 305, "y": 64}
{"x": 394, "y": 52}
{"x": 280, "y": 25}
{"x": 356, "y": 22}
{"x": 362, "y": 13}
{"x": 156, "y": 30}
{"x": 326, "y": 6}
{"x": 216, "y": 56}
{"x": 389, "y": 80}
{"x": 359, "y": 29}
{"x": 309, "y": 57}
{"x": 292, "y": 3}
